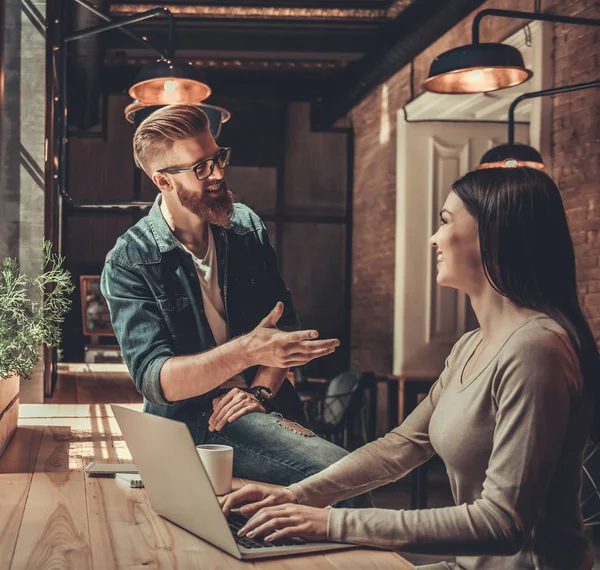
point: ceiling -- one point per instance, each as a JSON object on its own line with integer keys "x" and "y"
{"x": 262, "y": 48}
{"x": 305, "y": 50}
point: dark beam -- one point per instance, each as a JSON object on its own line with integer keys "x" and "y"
{"x": 414, "y": 30}
{"x": 339, "y": 4}
{"x": 273, "y": 10}
{"x": 207, "y": 36}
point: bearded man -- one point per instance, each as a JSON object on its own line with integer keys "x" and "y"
{"x": 203, "y": 318}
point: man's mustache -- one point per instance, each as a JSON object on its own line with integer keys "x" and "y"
{"x": 221, "y": 188}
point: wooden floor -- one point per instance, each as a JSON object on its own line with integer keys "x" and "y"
{"x": 94, "y": 384}
{"x": 52, "y": 516}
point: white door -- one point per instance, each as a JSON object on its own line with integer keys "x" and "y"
{"x": 429, "y": 319}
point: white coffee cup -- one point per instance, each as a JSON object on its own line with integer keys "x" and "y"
{"x": 218, "y": 464}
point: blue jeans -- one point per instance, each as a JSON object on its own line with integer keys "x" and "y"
{"x": 264, "y": 450}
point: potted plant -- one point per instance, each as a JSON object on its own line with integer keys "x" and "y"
{"x": 31, "y": 311}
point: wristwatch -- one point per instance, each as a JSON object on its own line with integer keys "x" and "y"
{"x": 264, "y": 395}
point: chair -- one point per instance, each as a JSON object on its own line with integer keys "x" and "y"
{"x": 331, "y": 414}
{"x": 590, "y": 487}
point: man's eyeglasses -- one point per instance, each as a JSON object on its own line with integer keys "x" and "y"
{"x": 204, "y": 169}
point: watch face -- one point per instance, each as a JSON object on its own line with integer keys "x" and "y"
{"x": 264, "y": 392}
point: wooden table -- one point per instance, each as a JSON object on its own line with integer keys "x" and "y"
{"x": 52, "y": 516}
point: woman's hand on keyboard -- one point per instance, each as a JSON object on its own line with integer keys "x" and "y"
{"x": 255, "y": 497}
{"x": 286, "y": 521}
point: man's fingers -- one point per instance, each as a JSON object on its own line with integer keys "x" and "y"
{"x": 299, "y": 336}
{"x": 273, "y": 317}
{"x": 307, "y": 347}
{"x": 320, "y": 344}
{"x": 244, "y": 406}
{"x": 224, "y": 399}
{"x": 253, "y": 408}
{"x": 304, "y": 350}
{"x": 218, "y": 414}
{"x": 299, "y": 359}
{"x": 234, "y": 409}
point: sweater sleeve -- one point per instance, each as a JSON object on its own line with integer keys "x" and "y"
{"x": 380, "y": 462}
{"x": 534, "y": 390}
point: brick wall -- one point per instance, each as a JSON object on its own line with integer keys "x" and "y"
{"x": 575, "y": 157}
{"x": 576, "y": 147}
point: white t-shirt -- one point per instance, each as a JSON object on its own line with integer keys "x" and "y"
{"x": 208, "y": 275}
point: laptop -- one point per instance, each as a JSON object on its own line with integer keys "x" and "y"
{"x": 180, "y": 490}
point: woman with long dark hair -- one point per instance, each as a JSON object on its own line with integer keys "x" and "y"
{"x": 510, "y": 414}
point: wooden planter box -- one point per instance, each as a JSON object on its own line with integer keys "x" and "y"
{"x": 9, "y": 409}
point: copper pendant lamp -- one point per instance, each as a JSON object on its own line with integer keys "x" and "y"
{"x": 477, "y": 68}
{"x": 484, "y": 67}
{"x": 169, "y": 82}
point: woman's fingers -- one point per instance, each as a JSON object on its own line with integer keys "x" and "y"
{"x": 288, "y": 520}
{"x": 271, "y": 498}
{"x": 251, "y": 509}
{"x": 262, "y": 517}
{"x": 255, "y": 498}
{"x": 246, "y": 494}
{"x": 276, "y": 523}
{"x": 287, "y": 532}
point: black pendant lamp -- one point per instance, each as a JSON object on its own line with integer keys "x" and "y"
{"x": 137, "y": 111}
{"x": 477, "y": 68}
{"x": 169, "y": 82}
{"x": 513, "y": 154}
{"x": 483, "y": 67}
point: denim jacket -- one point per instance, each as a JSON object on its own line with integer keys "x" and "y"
{"x": 156, "y": 309}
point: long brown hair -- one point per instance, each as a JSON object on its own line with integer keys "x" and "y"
{"x": 528, "y": 255}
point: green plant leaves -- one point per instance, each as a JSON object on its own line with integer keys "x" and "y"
{"x": 31, "y": 311}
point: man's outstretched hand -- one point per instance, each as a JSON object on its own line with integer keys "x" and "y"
{"x": 269, "y": 346}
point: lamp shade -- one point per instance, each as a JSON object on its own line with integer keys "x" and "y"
{"x": 477, "y": 68}
{"x": 138, "y": 111}
{"x": 511, "y": 156}
{"x": 168, "y": 82}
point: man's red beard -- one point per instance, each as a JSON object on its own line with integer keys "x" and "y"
{"x": 214, "y": 207}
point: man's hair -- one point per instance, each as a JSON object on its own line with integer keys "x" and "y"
{"x": 157, "y": 133}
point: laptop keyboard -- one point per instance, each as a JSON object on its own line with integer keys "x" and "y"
{"x": 236, "y": 521}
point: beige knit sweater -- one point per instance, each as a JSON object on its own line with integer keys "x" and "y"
{"x": 512, "y": 438}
